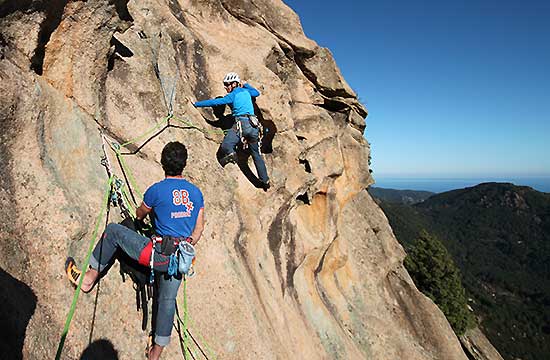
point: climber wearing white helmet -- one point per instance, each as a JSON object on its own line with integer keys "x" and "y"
{"x": 239, "y": 98}
{"x": 231, "y": 77}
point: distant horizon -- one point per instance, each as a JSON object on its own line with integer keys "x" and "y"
{"x": 440, "y": 184}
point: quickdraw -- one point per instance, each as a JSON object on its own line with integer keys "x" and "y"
{"x": 152, "y": 262}
{"x": 240, "y": 132}
{"x": 116, "y": 196}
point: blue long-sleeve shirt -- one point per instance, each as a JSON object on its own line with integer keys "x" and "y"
{"x": 240, "y": 100}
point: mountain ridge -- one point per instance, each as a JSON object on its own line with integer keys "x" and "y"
{"x": 399, "y": 196}
{"x": 498, "y": 234}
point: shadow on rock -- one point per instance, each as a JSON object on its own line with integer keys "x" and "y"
{"x": 269, "y": 130}
{"x": 101, "y": 349}
{"x": 18, "y": 303}
{"x": 223, "y": 121}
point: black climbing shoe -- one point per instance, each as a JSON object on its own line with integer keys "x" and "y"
{"x": 73, "y": 274}
{"x": 230, "y": 158}
{"x": 266, "y": 185}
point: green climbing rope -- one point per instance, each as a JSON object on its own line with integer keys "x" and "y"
{"x": 128, "y": 172}
{"x": 164, "y": 121}
{"x": 185, "y": 338}
{"x": 105, "y": 204}
{"x": 188, "y": 322}
{"x": 204, "y": 131}
{"x": 127, "y": 200}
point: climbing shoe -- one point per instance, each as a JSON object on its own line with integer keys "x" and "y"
{"x": 266, "y": 185}
{"x": 230, "y": 158}
{"x": 72, "y": 271}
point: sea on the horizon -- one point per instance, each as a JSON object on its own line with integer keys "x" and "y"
{"x": 438, "y": 185}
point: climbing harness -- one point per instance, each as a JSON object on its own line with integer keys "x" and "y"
{"x": 253, "y": 120}
{"x": 180, "y": 253}
{"x": 255, "y": 123}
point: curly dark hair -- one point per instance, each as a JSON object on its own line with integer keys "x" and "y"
{"x": 173, "y": 158}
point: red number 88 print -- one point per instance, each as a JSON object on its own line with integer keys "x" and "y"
{"x": 180, "y": 197}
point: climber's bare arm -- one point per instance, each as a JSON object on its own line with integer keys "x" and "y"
{"x": 199, "y": 227}
{"x": 142, "y": 211}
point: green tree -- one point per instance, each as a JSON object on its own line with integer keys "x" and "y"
{"x": 436, "y": 275}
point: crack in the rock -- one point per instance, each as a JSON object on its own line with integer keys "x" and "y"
{"x": 305, "y": 162}
{"x": 303, "y": 198}
{"x": 119, "y": 52}
{"x": 53, "y": 16}
{"x": 121, "y": 7}
{"x": 177, "y": 11}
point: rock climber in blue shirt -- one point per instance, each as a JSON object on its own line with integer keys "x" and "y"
{"x": 239, "y": 98}
{"x": 177, "y": 206}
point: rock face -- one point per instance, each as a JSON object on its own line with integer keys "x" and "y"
{"x": 308, "y": 270}
{"x": 478, "y": 347}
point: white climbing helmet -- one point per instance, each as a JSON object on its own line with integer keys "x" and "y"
{"x": 231, "y": 77}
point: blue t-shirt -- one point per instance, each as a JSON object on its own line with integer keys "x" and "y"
{"x": 240, "y": 100}
{"x": 175, "y": 203}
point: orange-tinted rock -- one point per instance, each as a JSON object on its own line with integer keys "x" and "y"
{"x": 308, "y": 270}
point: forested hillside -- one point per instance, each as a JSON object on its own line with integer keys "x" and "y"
{"x": 499, "y": 236}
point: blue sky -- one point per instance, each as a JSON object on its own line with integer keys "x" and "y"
{"x": 453, "y": 88}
